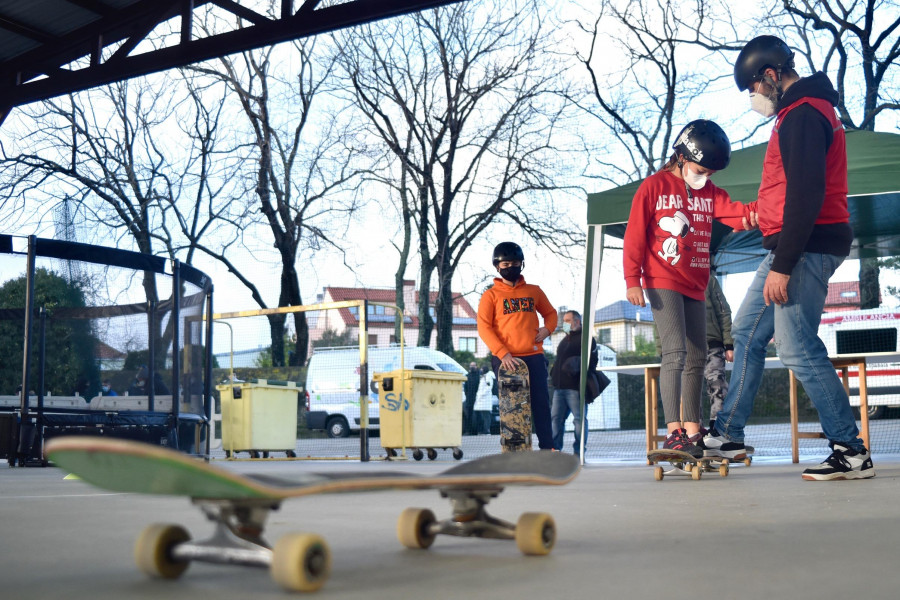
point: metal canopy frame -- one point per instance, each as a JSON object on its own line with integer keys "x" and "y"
{"x": 41, "y": 39}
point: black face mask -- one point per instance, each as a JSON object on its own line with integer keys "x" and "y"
{"x": 511, "y": 273}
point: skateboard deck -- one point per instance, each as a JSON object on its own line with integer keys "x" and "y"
{"x": 515, "y": 408}
{"x": 239, "y": 505}
{"x": 683, "y": 463}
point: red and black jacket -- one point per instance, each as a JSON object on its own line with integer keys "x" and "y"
{"x": 803, "y": 195}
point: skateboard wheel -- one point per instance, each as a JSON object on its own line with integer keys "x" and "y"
{"x": 723, "y": 470}
{"x": 535, "y": 534}
{"x": 432, "y": 454}
{"x": 658, "y": 473}
{"x": 696, "y": 474}
{"x": 418, "y": 454}
{"x": 301, "y": 562}
{"x": 153, "y": 550}
{"x": 748, "y": 461}
{"x": 457, "y": 453}
{"x": 413, "y": 528}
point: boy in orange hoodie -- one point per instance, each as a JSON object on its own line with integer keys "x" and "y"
{"x": 508, "y": 324}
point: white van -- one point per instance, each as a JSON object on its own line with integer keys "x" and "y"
{"x": 332, "y": 383}
{"x": 865, "y": 332}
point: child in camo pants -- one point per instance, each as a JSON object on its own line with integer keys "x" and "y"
{"x": 719, "y": 344}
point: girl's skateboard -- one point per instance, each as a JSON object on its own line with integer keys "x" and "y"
{"x": 239, "y": 505}
{"x": 515, "y": 408}
{"x": 684, "y": 464}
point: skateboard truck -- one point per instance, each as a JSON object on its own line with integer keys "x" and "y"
{"x": 237, "y": 538}
{"x": 298, "y": 562}
{"x": 534, "y": 533}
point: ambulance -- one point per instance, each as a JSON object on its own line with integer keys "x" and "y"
{"x": 867, "y": 332}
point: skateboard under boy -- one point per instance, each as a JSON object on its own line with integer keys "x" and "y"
{"x": 683, "y": 463}
{"x": 515, "y": 408}
{"x": 239, "y": 505}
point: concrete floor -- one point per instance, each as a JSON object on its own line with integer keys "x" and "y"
{"x": 761, "y": 532}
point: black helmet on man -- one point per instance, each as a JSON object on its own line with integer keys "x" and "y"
{"x": 705, "y": 143}
{"x": 763, "y": 52}
{"x": 508, "y": 251}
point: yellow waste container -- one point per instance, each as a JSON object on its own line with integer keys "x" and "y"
{"x": 420, "y": 410}
{"x": 259, "y": 416}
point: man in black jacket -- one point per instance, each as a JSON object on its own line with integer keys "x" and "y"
{"x": 566, "y": 378}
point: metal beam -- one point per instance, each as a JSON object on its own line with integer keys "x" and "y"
{"x": 24, "y": 30}
{"x": 94, "y": 6}
{"x": 24, "y": 87}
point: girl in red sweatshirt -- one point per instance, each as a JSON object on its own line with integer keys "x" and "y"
{"x": 667, "y": 245}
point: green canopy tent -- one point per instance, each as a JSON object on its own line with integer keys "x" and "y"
{"x": 873, "y": 175}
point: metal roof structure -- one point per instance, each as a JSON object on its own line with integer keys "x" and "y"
{"x": 53, "y": 47}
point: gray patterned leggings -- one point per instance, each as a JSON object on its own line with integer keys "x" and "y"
{"x": 681, "y": 325}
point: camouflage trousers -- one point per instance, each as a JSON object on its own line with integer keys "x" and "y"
{"x": 716, "y": 383}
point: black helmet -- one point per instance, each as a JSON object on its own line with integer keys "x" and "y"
{"x": 765, "y": 51}
{"x": 704, "y": 143}
{"x": 508, "y": 251}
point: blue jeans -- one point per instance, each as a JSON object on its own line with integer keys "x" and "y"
{"x": 795, "y": 327}
{"x": 564, "y": 402}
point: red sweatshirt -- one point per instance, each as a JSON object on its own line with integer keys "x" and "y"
{"x": 507, "y": 318}
{"x": 668, "y": 234}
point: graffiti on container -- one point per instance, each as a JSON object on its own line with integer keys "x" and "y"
{"x": 392, "y": 401}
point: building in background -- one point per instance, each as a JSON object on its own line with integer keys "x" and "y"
{"x": 844, "y": 295}
{"x": 381, "y": 319}
{"x": 619, "y": 324}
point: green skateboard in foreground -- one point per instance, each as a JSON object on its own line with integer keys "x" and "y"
{"x": 239, "y": 505}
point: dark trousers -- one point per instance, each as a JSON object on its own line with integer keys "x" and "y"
{"x": 540, "y": 396}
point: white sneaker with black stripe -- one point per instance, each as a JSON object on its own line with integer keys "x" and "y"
{"x": 718, "y": 445}
{"x": 843, "y": 463}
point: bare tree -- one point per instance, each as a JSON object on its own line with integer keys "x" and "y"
{"x": 106, "y": 154}
{"x": 856, "y": 43}
{"x": 640, "y": 92}
{"x": 306, "y": 174}
{"x": 467, "y": 101}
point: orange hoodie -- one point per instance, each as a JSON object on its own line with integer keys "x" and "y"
{"x": 507, "y": 318}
